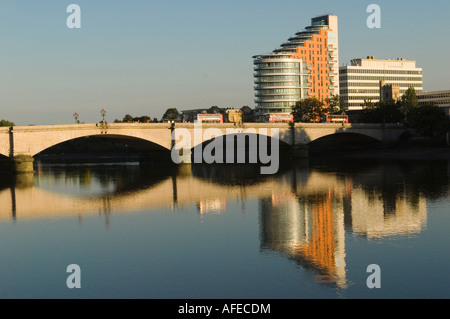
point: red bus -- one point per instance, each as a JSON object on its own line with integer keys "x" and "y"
{"x": 209, "y": 118}
{"x": 281, "y": 117}
{"x": 335, "y": 119}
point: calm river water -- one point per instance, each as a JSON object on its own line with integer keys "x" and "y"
{"x": 310, "y": 231}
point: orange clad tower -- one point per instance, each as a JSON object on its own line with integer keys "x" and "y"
{"x": 307, "y": 65}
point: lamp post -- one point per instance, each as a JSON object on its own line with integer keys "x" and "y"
{"x": 103, "y": 113}
{"x": 75, "y": 116}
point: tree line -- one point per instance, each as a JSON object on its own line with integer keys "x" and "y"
{"x": 170, "y": 114}
{"x": 4, "y": 123}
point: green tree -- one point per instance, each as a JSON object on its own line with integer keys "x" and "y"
{"x": 335, "y": 102}
{"x": 382, "y": 112}
{"x": 369, "y": 105}
{"x": 429, "y": 120}
{"x": 309, "y": 110}
{"x": 142, "y": 119}
{"x": 170, "y": 114}
{"x": 409, "y": 100}
{"x": 127, "y": 118}
{"x": 6, "y": 123}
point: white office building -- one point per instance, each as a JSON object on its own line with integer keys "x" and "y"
{"x": 360, "y": 81}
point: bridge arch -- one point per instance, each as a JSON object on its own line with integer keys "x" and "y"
{"x": 306, "y": 133}
{"x": 346, "y": 136}
{"x": 32, "y": 140}
{"x": 244, "y": 145}
{"x": 138, "y": 144}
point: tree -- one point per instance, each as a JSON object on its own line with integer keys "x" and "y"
{"x": 309, "y": 110}
{"x": 382, "y": 112}
{"x": 127, "y": 118}
{"x": 6, "y": 123}
{"x": 142, "y": 119}
{"x": 409, "y": 100}
{"x": 171, "y": 114}
{"x": 335, "y": 102}
{"x": 429, "y": 120}
{"x": 369, "y": 105}
{"x": 130, "y": 119}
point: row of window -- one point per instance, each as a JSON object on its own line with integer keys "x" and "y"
{"x": 362, "y": 91}
{"x": 275, "y": 84}
{"x": 280, "y": 91}
{"x": 293, "y": 97}
{"x": 276, "y": 104}
{"x": 349, "y": 91}
{"x": 380, "y": 78}
{"x": 434, "y": 96}
{"x": 362, "y": 84}
{"x": 259, "y": 59}
{"x": 277, "y": 65}
{"x": 276, "y": 78}
{"x": 352, "y": 71}
{"x": 362, "y": 98}
{"x": 277, "y": 71}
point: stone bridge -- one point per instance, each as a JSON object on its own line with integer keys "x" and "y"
{"x": 21, "y": 143}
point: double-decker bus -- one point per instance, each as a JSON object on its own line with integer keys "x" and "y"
{"x": 209, "y": 118}
{"x": 335, "y": 119}
{"x": 281, "y": 117}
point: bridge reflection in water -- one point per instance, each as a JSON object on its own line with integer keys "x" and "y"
{"x": 304, "y": 213}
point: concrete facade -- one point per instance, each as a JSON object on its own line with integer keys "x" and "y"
{"x": 360, "y": 81}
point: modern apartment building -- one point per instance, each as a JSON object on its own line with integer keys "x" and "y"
{"x": 362, "y": 80}
{"x": 439, "y": 98}
{"x": 307, "y": 65}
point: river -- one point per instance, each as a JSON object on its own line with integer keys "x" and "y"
{"x": 224, "y": 231}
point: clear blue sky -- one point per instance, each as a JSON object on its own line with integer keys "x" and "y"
{"x": 142, "y": 57}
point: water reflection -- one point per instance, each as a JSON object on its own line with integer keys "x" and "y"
{"x": 305, "y": 210}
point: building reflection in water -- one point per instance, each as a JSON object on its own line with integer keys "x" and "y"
{"x": 373, "y": 217}
{"x": 308, "y": 224}
{"x": 304, "y": 213}
{"x": 309, "y": 230}
{"x": 212, "y": 206}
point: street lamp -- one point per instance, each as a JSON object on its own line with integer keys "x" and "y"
{"x": 75, "y": 116}
{"x": 103, "y": 113}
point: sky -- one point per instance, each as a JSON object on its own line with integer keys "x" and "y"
{"x": 141, "y": 57}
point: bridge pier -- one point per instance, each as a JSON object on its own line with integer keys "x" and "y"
{"x": 22, "y": 164}
{"x": 185, "y": 156}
